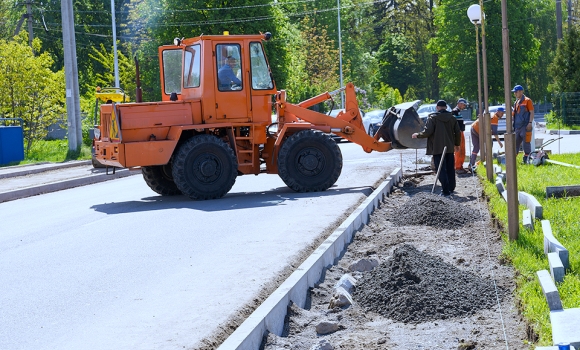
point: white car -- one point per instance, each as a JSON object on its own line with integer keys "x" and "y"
{"x": 426, "y": 109}
{"x": 373, "y": 120}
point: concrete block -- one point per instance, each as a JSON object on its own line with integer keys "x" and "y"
{"x": 504, "y": 176}
{"x": 566, "y": 326}
{"x": 551, "y": 244}
{"x": 563, "y": 191}
{"x": 504, "y": 195}
{"x": 549, "y": 289}
{"x": 501, "y": 159}
{"x": 556, "y": 267}
{"x": 499, "y": 185}
{"x": 532, "y": 203}
{"x": 497, "y": 169}
{"x": 527, "y": 220}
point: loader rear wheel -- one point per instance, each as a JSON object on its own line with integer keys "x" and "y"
{"x": 160, "y": 180}
{"x": 309, "y": 161}
{"x": 205, "y": 167}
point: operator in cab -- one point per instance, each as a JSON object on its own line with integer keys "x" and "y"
{"x": 226, "y": 76}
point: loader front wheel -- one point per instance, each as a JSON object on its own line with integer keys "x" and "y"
{"x": 205, "y": 167}
{"x": 160, "y": 180}
{"x": 309, "y": 161}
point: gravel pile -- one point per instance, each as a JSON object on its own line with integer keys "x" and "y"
{"x": 432, "y": 210}
{"x": 414, "y": 287}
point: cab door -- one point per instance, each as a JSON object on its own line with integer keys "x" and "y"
{"x": 232, "y": 83}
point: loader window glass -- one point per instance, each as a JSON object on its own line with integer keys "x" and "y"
{"x": 261, "y": 78}
{"x": 172, "y": 70}
{"x": 191, "y": 66}
{"x": 229, "y": 67}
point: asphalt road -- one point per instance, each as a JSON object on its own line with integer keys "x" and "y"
{"x": 114, "y": 266}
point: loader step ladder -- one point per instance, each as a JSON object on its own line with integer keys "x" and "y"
{"x": 246, "y": 138}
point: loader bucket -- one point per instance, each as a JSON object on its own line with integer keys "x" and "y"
{"x": 398, "y": 126}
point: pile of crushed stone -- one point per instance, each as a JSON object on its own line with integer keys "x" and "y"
{"x": 415, "y": 287}
{"x": 432, "y": 210}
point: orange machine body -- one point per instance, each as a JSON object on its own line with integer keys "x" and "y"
{"x": 147, "y": 133}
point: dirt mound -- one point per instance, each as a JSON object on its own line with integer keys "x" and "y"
{"x": 432, "y": 210}
{"x": 414, "y": 287}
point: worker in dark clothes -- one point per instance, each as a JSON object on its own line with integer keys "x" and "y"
{"x": 441, "y": 129}
{"x": 460, "y": 155}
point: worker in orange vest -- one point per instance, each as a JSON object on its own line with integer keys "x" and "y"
{"x": 460, "y": 155}
{"x": 475, "y": 136}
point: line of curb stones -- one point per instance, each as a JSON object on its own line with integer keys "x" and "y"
{"x": 63, "y": 185}
{"x": 565, "y": 322}
{"x": 269, "y": 316}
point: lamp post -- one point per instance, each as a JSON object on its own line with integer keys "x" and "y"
{"x": 474, "y": 14}
{"x": 485, "y": 127}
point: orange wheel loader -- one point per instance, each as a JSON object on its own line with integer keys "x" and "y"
{"x": 214, "y": 123}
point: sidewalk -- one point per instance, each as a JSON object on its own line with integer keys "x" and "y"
{"x": 29, "y": 180}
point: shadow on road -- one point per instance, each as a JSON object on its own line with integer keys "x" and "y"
{"x": 231, "y": 201}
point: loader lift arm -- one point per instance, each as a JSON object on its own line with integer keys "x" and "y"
{"x": 348, "y": 124}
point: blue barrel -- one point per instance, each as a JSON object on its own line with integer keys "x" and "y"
{"x": 11, "y": 144}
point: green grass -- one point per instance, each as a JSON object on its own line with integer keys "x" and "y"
{"x": 53, "y": 151}
{"x": 527, "y": 253}
{"x": 556, "y": 126}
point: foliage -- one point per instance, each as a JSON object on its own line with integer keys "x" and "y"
{"x": 527, "y": 254}
{"x": 397, "y": 66}
{"x": 565, "y": 69}
{"x": 455, "y": 45}
{"x": 320, "y": 55}
{"x": 107, "y": 78}
{"x": 388, "y": 96}
{"x": 29, "y": 89}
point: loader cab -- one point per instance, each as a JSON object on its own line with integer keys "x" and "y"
{"x": 229, "y": 74}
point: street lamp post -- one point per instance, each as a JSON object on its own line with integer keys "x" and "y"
{"x": 485, "y": 127}
{"x": 474, "y": 14}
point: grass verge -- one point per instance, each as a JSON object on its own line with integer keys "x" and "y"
{"x": 527, "y": 253}
{"x": 53, "y": 151}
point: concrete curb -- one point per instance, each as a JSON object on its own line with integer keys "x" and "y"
{"x": 63, "y": 185}
{"x": 269, "y": 316}
{"x": 40, "y": 168}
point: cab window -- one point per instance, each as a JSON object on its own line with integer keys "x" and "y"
{"x": 191, "y": 66}
{"x": 261, "y": 78}
{"x": 172, "y": 70}
{"x": 229, "y": 67}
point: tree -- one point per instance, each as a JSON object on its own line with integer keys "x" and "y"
{"x": 565, "y": 69}
{"x": 455, "y": 45}
{"x": 397, "y": 65}
{"x": 29, "y": 89}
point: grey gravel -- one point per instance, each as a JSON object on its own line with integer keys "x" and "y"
{"x": 415, "y": 287}
{"x": 432, "y": 210}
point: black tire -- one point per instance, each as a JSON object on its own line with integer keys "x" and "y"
{"x": 205, "y": 167}
{"x": 96, "y": 163}
{"x": 309, "y": 161}
{"x": 160, "y": 179}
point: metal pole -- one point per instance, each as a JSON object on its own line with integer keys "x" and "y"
{"x": 115, "y": 44}
{"x": 510, "y": 140}
{"x": 29, "y": 21}
{"x": 487, "y": 125}
{"x": 71, "y": 77}
{"x": 340, "y": 55}
{"x": 559, "y": 19}
{"x": 479, "y": 100}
